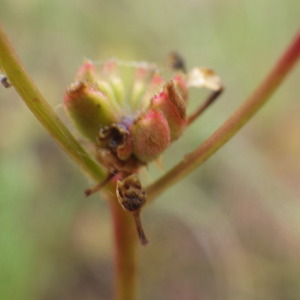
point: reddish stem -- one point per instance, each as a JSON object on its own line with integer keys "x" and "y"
{"x": 233, "y": 123}
{"x": 125, "y": 252}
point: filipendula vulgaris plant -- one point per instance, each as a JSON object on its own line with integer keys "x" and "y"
{"x": 131, "y": 126}
{"x": 124, "y": 123}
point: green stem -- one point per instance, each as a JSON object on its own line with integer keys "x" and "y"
{"x": 124, "y": 227}
{"x": 259, "y": 97}
{"x": 25, "y": 87}
{"x": 125, "y": 252}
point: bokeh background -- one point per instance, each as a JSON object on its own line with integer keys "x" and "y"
{"x": 230, "y": 230}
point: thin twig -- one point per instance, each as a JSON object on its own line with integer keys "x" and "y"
{"x": 96, "y": 188}
{"x": 210, "y": 100}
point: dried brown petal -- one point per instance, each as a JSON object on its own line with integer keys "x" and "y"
{"x": 130, "y": 193}
{"x": 132, "y": 197}
{"x": 176, "y": 61}
{"x": 202, "y": 77}
{"x": 117, "y": 138}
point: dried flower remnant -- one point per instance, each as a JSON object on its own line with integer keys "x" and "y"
{"x": 176, "y": 61}
{"x": 132, "y": 197}
{"x": 132, "y": 124}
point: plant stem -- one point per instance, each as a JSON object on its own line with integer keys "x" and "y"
{"x": 233, "y": 123}
{"x": 125, "y": 251}
{"x": 25, "y": 87}
{"x": 124, "y": 227}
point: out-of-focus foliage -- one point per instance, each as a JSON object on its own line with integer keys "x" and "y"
{"x": 230, "y": 230}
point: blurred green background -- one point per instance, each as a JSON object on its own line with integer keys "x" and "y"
{"x": 230, "y": 230}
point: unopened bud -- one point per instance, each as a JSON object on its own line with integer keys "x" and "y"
{"x": 150, "y": 135}
{"x": 111, "y": 73}
{"x": 89, "y": 109}
{"x": 139, "y": 86}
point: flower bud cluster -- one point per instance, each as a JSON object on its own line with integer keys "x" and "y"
{"x": 132, "y": 124}
{"x": 130, "y": 127}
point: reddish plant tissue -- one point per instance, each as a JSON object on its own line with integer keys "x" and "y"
{"x": 132, "y": 124}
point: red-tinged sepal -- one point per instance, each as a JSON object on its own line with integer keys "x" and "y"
{"x": 181, "y": 85}
{"x": 150, "y": 135}
{"x": 87, "y": 73}
{"x": 173, "y": 107}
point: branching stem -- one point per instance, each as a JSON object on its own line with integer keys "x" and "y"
{"x": 259, "y": 97}
{"x": 124, "y": 228}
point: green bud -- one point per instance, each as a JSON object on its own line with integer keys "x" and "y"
{"x": 106, "y": 88}
{"x": 139, "y": 86}
{"x": 111, "y": 73}
{"x": 89, "y": 109}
